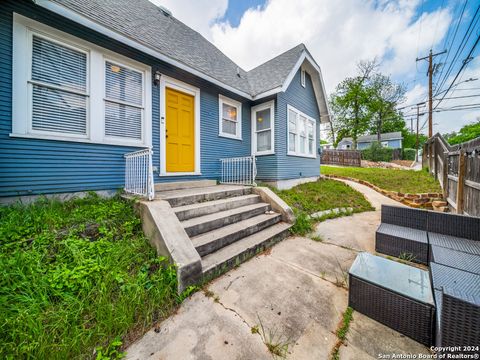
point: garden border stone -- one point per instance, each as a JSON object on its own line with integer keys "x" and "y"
{"x": 420, "y": 200}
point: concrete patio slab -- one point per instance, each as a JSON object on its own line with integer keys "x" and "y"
{"x": 201, "y": 329}
{"x": 356, "y": 232}
{"x": 328, "y": 261}
{"x": 294, "y": 290}
{"x": 364, "y": 342}
{"x": 284, "y": 299}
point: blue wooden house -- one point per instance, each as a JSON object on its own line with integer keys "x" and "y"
{"x": 88, "y": 88}
{"x": 392, "y": 140}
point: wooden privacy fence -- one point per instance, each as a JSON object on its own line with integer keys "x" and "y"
{"x": 457, "y": 168}
{"x": 341, "y": 157}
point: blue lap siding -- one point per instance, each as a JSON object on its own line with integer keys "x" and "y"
{"x": 34, "y": 166}
{"x": 303, "y": 99}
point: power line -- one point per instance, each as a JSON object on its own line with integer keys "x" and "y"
{"x": 467, "y": 60}
{"x": 460, "y": 48}
{"x": 454, "y": 36}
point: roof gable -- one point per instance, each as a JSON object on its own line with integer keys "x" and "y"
{"x": 148, "y": 28}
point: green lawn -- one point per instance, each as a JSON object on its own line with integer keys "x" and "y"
{"x": 324, "y": 194}
{"x": 77, "y": 276}
{"x": 404, "y": 181}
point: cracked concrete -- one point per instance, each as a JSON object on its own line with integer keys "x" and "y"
{"x": 295, "y": 291}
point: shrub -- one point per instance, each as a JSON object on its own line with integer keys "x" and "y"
{"x": 376, "y": 152}
{"x": 409, "y": 154}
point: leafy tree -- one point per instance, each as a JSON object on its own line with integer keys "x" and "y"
{"x": 349, "y": 103}
{"x": 385, "y": 97}
{"x": 466, "y": 133}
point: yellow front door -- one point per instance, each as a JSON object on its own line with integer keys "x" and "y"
{"x": 180, "y": 131}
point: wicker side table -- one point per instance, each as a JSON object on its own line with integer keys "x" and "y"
{"x": 396, "y": 295}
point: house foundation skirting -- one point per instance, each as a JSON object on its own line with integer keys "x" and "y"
{"x": 29, "y": 199}
{"x": 289, "y": 183}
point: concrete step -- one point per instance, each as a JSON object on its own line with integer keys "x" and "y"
{"x": 232, "y": 255}
{"x": 216, "y": 239}
{"x": 179, "y": 185}
{"x": 196, "y": 195}
{"x": 202, "y": 224}
{"x": 209, "y": 207}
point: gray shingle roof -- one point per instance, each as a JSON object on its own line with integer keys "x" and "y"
{"x": 273, "y": 73}
{"x": 383, "y": 137}
{"x": 147, "y": 24}
{"x": 370, "y": 138}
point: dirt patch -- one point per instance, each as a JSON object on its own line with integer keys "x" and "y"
{"x": 406, "y": 163}
{"x": 395, "y": 164}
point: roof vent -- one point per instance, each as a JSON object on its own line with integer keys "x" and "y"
{"x": 238, "y": 71}
{"x": 165, "y": 11}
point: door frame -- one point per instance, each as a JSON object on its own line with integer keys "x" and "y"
{"x": 166, "y": 81}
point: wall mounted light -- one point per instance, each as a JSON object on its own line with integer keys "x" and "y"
{"x": 156, "y": 78}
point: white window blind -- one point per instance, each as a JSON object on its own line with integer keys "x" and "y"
{"x": 301, "y": 133}
{"x": 123, "y": 101}
{"x": 59, "y": 84}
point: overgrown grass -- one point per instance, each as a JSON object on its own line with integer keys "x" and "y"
{"x": 78, "y": 279}
{"x": 324, "y": 194}
{"x": 404, "y": 181}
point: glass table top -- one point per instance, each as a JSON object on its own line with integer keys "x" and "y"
{"x": 400, "y": 278}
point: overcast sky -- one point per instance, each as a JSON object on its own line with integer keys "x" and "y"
{"x": 341, "y": 33}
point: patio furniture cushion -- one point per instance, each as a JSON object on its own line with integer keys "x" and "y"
{"x": 457, "y": 298}
{"x": 455, "y": 243}
{"x": 460, "y": 226}
{"x": 404, "y": 216}
{"x": 397, "y": 240}
{"x": 456, "y": 259}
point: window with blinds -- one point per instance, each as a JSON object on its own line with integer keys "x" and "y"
{"x": 123, "y": 101}
{"x": 59, "y": 88}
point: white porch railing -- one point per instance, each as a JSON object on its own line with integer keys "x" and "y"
{"x": 139, "y": 173}
{"x": 239, "y": 170}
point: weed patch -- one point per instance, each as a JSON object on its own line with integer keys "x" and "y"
{"x": 78, "y": 277}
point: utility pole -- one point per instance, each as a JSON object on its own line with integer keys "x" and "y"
{"x": 431, "y": 67}
{"x": 418, "y": 106}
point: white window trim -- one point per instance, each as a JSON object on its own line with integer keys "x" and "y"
{"x": 297, "y": 144}
{"x": 23, "y": 30}
{"x": 236, "y": 104}
{"x": 302, "y": 77}
{"x": 166, "y": 81}
{"x": 268, "y": 105}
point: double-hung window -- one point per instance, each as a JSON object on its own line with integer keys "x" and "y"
{"x": 263, "y": 129}
{"x": 68, "y": 89}
{"x": 58, "y": 88}
{"x": 230, "y": 118}
{"x": 301, "y": 133}
{"x": 123, "y": 101}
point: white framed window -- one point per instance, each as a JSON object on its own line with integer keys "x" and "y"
{"x": 68, "y": 89}
{"x": 384, "y": 144}
{"x": 301, "y": 133}
{"x": 230, "y": 118}
{"x": 263, "y": 119}
{"x": 302, "y": 77}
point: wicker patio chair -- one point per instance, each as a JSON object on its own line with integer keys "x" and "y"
{"x": 457, "y": 297}
{"x": 457, "y": 259}
{"x": 402, "y": 233}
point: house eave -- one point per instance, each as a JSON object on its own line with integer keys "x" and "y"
{"x": 82, "y": 20}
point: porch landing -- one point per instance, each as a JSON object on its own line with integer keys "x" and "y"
{"x": 207, "y": 230}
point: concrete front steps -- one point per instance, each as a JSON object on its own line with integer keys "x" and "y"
{"x": 227, "y": 224}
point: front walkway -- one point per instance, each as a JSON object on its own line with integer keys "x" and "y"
{"x": 295, "y": 291}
